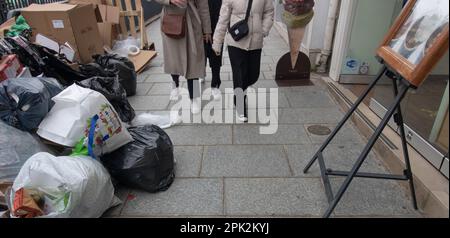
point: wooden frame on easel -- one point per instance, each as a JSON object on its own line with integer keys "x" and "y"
{"x": 417, "y": 40}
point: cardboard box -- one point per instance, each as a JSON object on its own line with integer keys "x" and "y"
{"x": 108, "y": 32}
{"x": 6, "y": 26}
{"x": 109, "y": 14}
{"x": 74, "y": 24}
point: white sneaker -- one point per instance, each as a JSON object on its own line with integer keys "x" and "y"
{"x": 174, "y": 94}
{"x": 195, "y": 107}
{"x": 242, "y": 118}
{"x": 215, "y": 92}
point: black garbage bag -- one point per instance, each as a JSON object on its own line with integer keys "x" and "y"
{"x": 110, "y": 65}
{"x": 24, "y": 102}
{"x": 114, "y": 92}
{"x": 56, "y": 66}
{"x": 147, "y": 163}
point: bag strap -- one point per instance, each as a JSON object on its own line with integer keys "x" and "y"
{"x": 91, "y": 136}
{"x": 249, "y": 8}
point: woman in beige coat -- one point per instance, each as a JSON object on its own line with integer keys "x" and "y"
{"x": 245, "y": 55}
{"x": 185, "y": 57}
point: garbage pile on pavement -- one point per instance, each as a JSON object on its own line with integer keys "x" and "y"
{"x": 64, "y": 115}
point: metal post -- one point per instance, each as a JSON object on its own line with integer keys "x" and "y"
{"x": 367, "y": 150}
{"x": 346, "y": 117}
{"x": 408, "y": 171}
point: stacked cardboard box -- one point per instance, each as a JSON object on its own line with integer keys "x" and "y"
{"x": 67, "y": 24}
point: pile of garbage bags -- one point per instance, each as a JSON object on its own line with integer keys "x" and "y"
{"x": 65, "y": 135}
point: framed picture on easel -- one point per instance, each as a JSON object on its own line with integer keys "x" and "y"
{"x": 417, "y": 40}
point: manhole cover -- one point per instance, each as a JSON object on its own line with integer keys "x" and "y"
{"x": 319, "y": 130}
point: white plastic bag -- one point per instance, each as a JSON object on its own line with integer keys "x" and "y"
{"x": 74, "y": 187}
{"x": 163, "y": 121}
{"x": 129, "y": 46}
{"x": 70, "y": 119}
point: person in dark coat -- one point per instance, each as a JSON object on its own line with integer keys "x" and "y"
{"x": 215, "y": 61}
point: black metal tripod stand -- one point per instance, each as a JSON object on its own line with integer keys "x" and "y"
{"x": 400, "y": 87}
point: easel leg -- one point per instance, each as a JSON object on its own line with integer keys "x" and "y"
{"x": 408, "y": 171}
{"x": 345, "y": 119}
{"x": 366, "y": 150}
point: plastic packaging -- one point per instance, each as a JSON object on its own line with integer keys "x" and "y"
{"x": 72, "y": 187}
{"x": 16, "y": 147}
{"x": 150, "y": 119}
{"x": 147, "y": 163}
{"x": 124, "y": 47}
{"x": 114, "y": 92}
{"x": 24, "y": 102}
{"x": 70, "y": 121}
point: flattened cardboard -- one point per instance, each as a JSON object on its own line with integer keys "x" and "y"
{"x": 108, "y": 32}
{"x": 142, "y": 59}
{"x": 75, "y": 24}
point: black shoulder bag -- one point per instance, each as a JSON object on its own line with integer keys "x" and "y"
{"x": 240, "y": 29}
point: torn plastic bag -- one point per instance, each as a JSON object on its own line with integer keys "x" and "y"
{"x": 123, "y": 47}
{"x": 16, "y": 147}
{"x": 147, "y": 163}
{"x": 72, "y": 187}
{"x": 24, "y": 102}
{"x": 114, "y": 92}
{"x": 73, "y": 115}
{"x": 111, "y": 65}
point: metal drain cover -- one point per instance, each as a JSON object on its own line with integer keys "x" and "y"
{"x": 319, "y": 130}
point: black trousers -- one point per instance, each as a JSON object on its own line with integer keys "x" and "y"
{"x": 215, "y": 62}
{"x": 246, "y": 67}
{"x": 192, "y": 84}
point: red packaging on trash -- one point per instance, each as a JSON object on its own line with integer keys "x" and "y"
{"x": 25, "y": 206}
{"x": 10, "y": 67}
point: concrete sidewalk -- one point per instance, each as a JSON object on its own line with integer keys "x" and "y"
{"x": 230, "y": 170}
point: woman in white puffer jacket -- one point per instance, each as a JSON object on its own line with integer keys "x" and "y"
{"x": 245, "y": 55}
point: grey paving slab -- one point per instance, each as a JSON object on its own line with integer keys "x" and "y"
{"x": 143, "y": 88}
{"x": 337, "y": 157}
{"x": 188, "y": 161}
{"x": 310, "y": 99}
{"x": 141, "y": 78}
{"x": 310, "y": 115}
{"x": 158, "y": 78}
{"x": 122, "y": 194}
{"x": 274, "y": 197}
{"x": 374, "y": 198}
{"x": 286, "y": 134}
{"x": 347, "y": 134}
{"x": 201, "y": 135}
{"x": 273, "y": 100}
{"x": 161, "y": 89}
{"x": 186, "y": 197}
{"x": 146, "y": 103}
{"x": 245, "y": 161}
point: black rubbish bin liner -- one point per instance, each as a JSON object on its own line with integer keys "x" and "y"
{"x": 114, "y": 92}
{"x": 109, "y": 65}
{"x": 147, "y": 163}
{"x": 24, "y": 102}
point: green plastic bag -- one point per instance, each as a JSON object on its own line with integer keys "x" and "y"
{"x": 20, "y": 26}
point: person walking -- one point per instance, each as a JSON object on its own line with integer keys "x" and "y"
{"x": 185, "y": 26}
{"x": 245, "y": 53}
{"x": 215, "y": 61}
